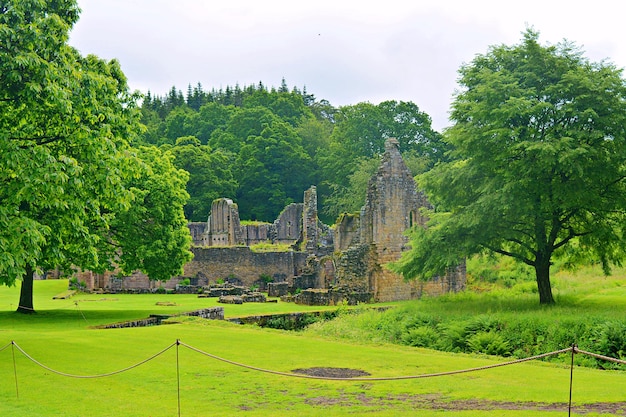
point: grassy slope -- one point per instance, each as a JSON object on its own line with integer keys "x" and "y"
{"x": 59, "y": 336}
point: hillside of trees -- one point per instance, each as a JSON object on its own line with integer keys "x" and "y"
{"x": 263, "y": 146}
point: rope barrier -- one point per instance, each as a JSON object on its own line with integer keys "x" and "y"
{"x": 81, "y": 312}
{"x": 595, "y": 355}
{"x": 4, "y": 347}
{"x": 178, "y": 343}
{"x": 91, "y": 376}
{"x": 391, "y": 378}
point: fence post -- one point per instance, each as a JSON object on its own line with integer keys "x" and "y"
{"x": 571, "y": 380}
{"x": 178, "y": 374}
{"x": 17, "y": 391}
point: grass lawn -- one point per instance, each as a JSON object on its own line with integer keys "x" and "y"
{"x": 59, "y": 335}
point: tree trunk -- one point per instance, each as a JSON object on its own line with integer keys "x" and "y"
{"x": 542, "y": 271}
{"x": 26, "y": 292}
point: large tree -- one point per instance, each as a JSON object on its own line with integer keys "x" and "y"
{"x": 539, "y": 164}
{"x": 67, "y": 171}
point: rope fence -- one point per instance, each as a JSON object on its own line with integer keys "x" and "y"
{"x": 177, "y": 344}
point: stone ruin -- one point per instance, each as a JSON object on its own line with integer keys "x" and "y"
{"x": 324, "y": 265}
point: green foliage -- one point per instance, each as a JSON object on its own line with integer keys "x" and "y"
{"x": 349, "y": 197}
{"x": 75, "y": 284}
{"x": 210, "y": 175}
{"x": 489, "y": 343}
{"x": 266, "y": 278}
{"x": 152, "y": 233}
{"x": 279, "y": 142}
{"x": 537, "y": 169}
{"x": 497, "y": 269}
{"x": 422, "y": 336}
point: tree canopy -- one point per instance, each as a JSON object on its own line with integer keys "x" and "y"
{"x": 67, "y": 169}
{"x": 538, "y": 166}
{"x": 279, "y": 142}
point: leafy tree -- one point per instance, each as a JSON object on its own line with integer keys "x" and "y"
{"x": 66, "y": 167}
{"x": 350, "y": 197}
{"x": 538, "y": 167}
{"x": 210, "y": 176}
{"x": 273, "y": 171}
{"x": 151, "y": 234}
{"x": 211, "y": 117}
{"x": 178, "y": 123}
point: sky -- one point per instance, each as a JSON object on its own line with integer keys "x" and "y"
{"x": 343, "y": 51}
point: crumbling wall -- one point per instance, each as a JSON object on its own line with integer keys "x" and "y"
{"x": 198, "y": 231}
{"x": 255, "y": 233}
{"x": 287, "y": 228}
{"x": 223, "y": 225}
{"x": 310, "y": 230}
{"x": 347, "y": 231}
{"x": 219, "y": 263}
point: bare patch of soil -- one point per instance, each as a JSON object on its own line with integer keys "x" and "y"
{"x": 332, "y": 372}
{"x": 437, "y": 402}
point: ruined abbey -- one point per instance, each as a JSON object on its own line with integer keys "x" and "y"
{"x": 324, "y": 265}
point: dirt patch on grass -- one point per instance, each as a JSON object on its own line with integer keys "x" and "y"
{"x": 332, "y": 372}
{"x": 437, "y": 402}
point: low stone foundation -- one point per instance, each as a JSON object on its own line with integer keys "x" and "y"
{"x": 213, "y": 313}
{"x": 321, "y": 297}
{"x": 255, "y": 297}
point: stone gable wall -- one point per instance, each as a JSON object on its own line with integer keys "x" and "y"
{"x": 287, "y": 228}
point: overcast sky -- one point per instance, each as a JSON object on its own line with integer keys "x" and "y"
{"x": 344, "y": 51}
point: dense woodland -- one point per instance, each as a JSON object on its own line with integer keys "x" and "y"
{"x": 263, "y": 146}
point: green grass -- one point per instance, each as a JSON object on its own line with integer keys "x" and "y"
{"x": 59, "y": 335}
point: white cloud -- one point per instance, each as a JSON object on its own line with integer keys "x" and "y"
{"x": 343, "y": 51}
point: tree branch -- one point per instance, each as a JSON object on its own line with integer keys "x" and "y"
{"x": 511, "y": 254}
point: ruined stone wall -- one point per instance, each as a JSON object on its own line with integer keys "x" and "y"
{"x": 347, "y": 231}
{"x": 224, "y": 228}
{"x": 310, "y": 230}
{"x": 198, "y": 231}
{"x": 219, "y": 263}
{"x": 355, "y": 266}
{"x": 253, "y": 234}
{"x": 287, "y": 228}
{"x": 392, "y": 203}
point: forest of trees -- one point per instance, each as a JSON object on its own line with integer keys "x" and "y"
{"x": 263, "y": 146}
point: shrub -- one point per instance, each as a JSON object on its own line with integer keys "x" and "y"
{"x": 420, "y": 337}
{"x": 609, "y": 339}
{"x": 490, "y": 343}
{"x": 452, "y": 337}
